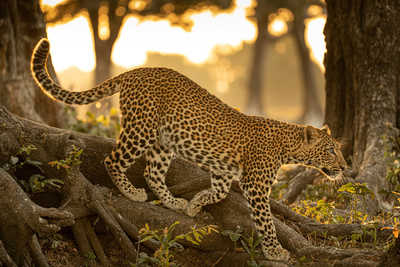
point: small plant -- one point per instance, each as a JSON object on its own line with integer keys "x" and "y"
{"x": 107, "y": 126}
{"x": 337, "y": 240}
{"x": 250, "y": 248}
{"x": 71, "y": 161}
{"x": 353, "y": 191}
{"x": 302, "y": 260}
{"x": 90, "y": 257}
{"x": 169, "y": 246}
{"x": 234, "y": 235}
{"x": 17, "y": 162}
{"x": 371, "y": 229}
{"x": 321, "y": 211}
{"x": 395, "y": 228}
{"x": 249, "y": 244}
{"x": 367, "y": 229}
{"x": 37, "y": 182}
{"x": 55, "y": 240}
{"x": 392, "y": 155}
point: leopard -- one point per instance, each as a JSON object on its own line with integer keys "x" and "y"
{"x": 164, "y": 113}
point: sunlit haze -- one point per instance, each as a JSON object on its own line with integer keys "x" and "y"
{"x": 72, "y": 42}
{"x": 225, "y": 29}
{"x": 315, "y": 39}
{"x": 72, "y": 45}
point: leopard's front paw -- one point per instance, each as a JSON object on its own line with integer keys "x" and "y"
{"x": 193, "y": 208}
{"x": 276, "y": 254}
{"x": 178, "y": 204}
{"x": 137, "y": 195}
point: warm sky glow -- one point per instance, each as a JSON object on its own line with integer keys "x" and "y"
{"x": 72, "y": 43}
{"x": 315, "y": 39}
{"x": 138, "y": 38}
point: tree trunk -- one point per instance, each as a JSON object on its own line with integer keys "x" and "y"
{"x": 21, "y": 26}
{"x": 362, "y": 82}
{"x": 312, "y": 111}
{"x": 255, "y": 104}
{"x": 103, "y": 48}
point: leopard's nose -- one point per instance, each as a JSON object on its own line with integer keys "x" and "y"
{"x": 342, "y": 168}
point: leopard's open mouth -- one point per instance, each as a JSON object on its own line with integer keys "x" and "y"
{"x": 326, "y": 171}
{"x": 331, "y": 174}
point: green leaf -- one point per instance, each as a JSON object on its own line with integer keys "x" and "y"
{"x": 170, "y": 229}
{"x": 190, "y": 239}
{"x": 227, "y": 232}
{"x": 245, "y": 246}
{"x": 302, "y": 259}
{"x": 235, "y": 237}
{"x": 197, "y": 236}
{"x": 77, "y": 154}
{"x": 258, "y": 241}
{"x": 145, "y": 239}
{"x": 247, "y": 239}
{"x": 348, "y": 188}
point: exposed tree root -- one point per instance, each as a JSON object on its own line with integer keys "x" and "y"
{"x": 5, "y": 259}
{"x": 19, "y": 216}
{"x": 122, "y": 217}
{"x": 298, "y": 184}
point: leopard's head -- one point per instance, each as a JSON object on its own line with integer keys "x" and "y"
{"x": 322, "y": 151}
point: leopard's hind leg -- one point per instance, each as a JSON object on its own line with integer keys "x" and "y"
{"x": 124, "y": 154}
{"x": 220, "y": 186}
{"x": 157, "y": 162}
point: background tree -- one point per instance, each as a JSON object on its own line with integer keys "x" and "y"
{"x": 21, "y": 26}
{"x": 255, "y": 101}
{"x": 296, "y": 13}
{"x": 312, "y": 110}
{"x": 362, "y": 83}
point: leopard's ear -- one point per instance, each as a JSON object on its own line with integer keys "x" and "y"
{"x": 310, "y": 134}
{"x": 326, "y": 129}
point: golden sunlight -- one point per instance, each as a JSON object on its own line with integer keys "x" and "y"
{"x": 72, "y": 45}
{"x": 315, "y": 39}
{"x": 278, "y": 22}
{"x": 72, "y": 42}
{"x": 104, "y": 29}
{"x": 228, "y": 30}
{"x": 278, "y": 26}
{"x": 225, "y": 33}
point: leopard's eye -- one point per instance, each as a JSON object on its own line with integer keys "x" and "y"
{"x": 331, "y": 150}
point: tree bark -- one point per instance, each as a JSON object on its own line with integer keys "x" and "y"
{"x": 21, "y": 26}
{"x": 22, "y": 218}
{"x": 362, "y": 83}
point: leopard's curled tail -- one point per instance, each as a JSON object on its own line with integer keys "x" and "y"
{"x": 42, "y": 78}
